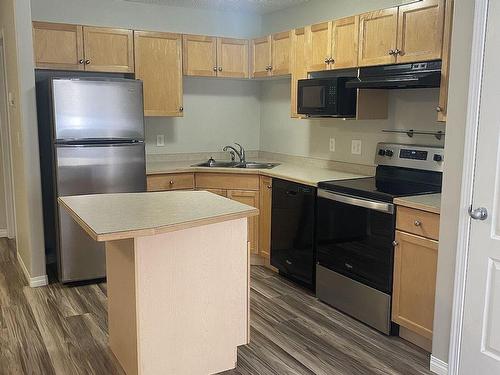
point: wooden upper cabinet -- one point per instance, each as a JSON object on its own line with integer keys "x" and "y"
{"x": 158, "y": 63}
{"x": 281, "y": 47}
{"x": 415, "y": 267}
{"x": 345, "y": 34}
{"x": 298, "y": 65}
{"x": 442, "y": 108}
{"x": 108, "y": 50}
{"x": 200, "y": 55}
{"x": 378, "y": 37}
{"x": 319, "y": 46}
{"x": 261, "y": 56}
{"x": 232, "y": 57}
{"x": 58, "y": 46}
{"x": 420, "y": 31}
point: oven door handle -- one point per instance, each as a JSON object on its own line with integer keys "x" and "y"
{"x": 347, "y": 199}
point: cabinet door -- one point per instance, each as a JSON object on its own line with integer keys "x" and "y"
{"x": 250, "y": 198}
{"x": 281, "y": 44}
{"x": 298, "y": 65}
{"x": 232, "y": 57}
{"x": 445, "y": 70}
{"x": 158, "y": 63}
{"x": 345, "y": 34}
{"x": 58, "y": 46}
{"x": 261, "y": 56}
{"x": 420, "y": 31}
{"x": 108, "y": 50}
{"x": 200, "y": 55}
{"x": 415, "y": 267}
{"x": 266, "y": 194}
{"x": 378, "y": 37}
{"x": 319, "y": 46}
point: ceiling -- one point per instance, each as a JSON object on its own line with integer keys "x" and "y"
{"x": 249, "y": 6}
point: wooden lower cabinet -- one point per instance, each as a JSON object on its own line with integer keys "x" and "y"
{"x": 266, "y": 196}
{"x": 250, "y": 198}
{"x": 170, "y": 181}
{"x": 221, "y": 192}
{"x": 415, "y": 267}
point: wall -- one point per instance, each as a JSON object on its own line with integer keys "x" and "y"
{"x": 320, "y": 10}
{"x": 216, "y": 111}
{"x": 452, "y": 180}
{"x": 408, "y": 109}
{"x": 15, "y": 21}
{"x": 3, "y": 125}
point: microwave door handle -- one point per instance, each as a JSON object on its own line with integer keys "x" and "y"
{"x": 371, "y": 205}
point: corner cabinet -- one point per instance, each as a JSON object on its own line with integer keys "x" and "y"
{"x": 75, "y": 47}
{"x": 415, "y": 268}
{"x": 158, "y": 63}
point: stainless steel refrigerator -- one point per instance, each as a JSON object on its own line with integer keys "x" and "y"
{"x": 91, "y": 141}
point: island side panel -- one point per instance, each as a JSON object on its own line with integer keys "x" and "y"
{"x": 122, "y": 317}
{"x": 192, "y": 299}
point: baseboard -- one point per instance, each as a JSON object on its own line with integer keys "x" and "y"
{"x": 438, "y": 366}
{"x": 33, "y": 282}
{"x": 4, "y": 233}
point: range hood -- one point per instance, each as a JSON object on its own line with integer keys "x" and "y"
{"x": 399, "y": 76}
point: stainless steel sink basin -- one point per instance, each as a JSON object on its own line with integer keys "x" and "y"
{"x": 217, "y": 164}
{"x": 257, "y": 165}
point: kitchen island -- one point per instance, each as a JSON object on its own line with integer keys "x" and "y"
{"x": 177, "y": 277}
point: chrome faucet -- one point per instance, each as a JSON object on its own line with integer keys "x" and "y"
{"x": 240, "y": 153}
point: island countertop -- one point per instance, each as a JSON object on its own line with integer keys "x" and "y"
{"x": 107, "y": 217}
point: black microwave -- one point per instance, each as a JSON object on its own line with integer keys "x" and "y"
{"x": 326, "y": 97}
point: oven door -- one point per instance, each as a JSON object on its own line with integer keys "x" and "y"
{"x": 317, "y": 97}
{"x": 354, "y": 238}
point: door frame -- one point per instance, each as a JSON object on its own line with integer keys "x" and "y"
{"x": 6, "y": 150}
{"x": 468, "y": 172}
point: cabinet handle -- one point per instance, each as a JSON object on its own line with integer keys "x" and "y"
{"x": 392, "y": 52}
{"x": 81, "y": 61}
{"x": 395, "y": 243}
{"x": 327, "y": 60}
{"x": 171, "y": 182}
{"x": 398, "y": 52}
{"x": 270, "y": 67}
{"x": 87, "y": 62}
{"x": 439, "y": 109}
{"x": 417, "y": 223}
{"x": 269, "y": 186}
{"x": 220, "y": 68}
{"x": 181, "y": 109}
{"x": 332, "y": 61}
{"x": 215, "y": 69}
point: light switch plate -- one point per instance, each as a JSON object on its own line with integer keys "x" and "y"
{"x": 160, "y": 140}
{"x": 356, "y": 147}
{"x": 332, "y": 144}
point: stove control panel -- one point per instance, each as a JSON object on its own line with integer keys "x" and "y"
{"x": 410, "y": 156}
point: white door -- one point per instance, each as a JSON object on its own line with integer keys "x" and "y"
{"x": 480, "y": 344}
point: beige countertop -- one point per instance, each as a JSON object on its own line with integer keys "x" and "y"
{"x": 107, "y": 217}
{"x": 428, "y": 202}
{"x": 302, "y": 174}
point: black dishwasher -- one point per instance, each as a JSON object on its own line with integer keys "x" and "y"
{"x": 292, "y": 231}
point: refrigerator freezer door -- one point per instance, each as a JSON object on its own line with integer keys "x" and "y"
{"x": 92, "y": 169}
{"x": 97, "y": 109}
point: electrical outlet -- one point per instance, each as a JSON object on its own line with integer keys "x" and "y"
{"x": 356, "y": 147}
{"x": 160, "y": 140}
{"x": 332, "y": 144}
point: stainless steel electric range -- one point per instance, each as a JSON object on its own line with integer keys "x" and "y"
{"x": 355, "y": 230}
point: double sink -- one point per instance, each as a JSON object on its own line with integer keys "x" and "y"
{"x": 235, "y": 164}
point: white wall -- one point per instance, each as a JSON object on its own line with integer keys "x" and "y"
{"x": 408, "y": 109}
{"x": 216, "y": 111}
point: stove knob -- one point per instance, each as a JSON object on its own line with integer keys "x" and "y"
{"x": 389, "y": 153}
{"x": 381, "y": 152}
{"x": 438, "y": 157}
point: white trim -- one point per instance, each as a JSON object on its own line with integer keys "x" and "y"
{"x": 4, "y": 233}
{"x": 33, "y": 282}
{"x": 438, "y": 367}
{"x": 466, "y": 199}
{"x": 8, "y": 167}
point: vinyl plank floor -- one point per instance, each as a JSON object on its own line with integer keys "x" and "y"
{"x": 62, "y": 329}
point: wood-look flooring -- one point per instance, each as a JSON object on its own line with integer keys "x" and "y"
{"x": 63, "y": 330}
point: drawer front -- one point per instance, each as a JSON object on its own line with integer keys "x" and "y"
{"x": 174, "y": 181}
{"x": 421, "y": 223}
{"x": 228, "y": 181}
